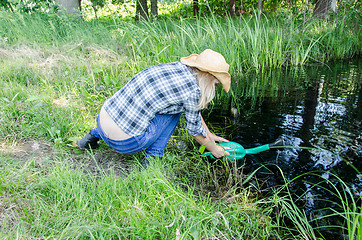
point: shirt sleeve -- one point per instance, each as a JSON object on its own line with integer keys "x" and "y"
{"x": 193, "y": 115}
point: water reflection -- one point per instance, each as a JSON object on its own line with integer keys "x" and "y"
{"x": 317, "y": 107}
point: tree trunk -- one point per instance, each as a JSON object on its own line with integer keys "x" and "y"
{"x": 322, "y": 8}
{"x": 141, "y": 10}
{"x": 260, "y": 9}
{"x": 95, "y": 10}
{"x": 154, "y": 10}
{"x": 334, "y": 5}
{"x": 72, "y": 7}
{"x": 232, "y": 8}
{"x": 196, "y": 7}
{"x": 241, "y": 13}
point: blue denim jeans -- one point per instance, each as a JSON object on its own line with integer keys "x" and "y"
{"x": 154, "y": 140}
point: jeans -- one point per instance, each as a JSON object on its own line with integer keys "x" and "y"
{"x": 154, "y": 140}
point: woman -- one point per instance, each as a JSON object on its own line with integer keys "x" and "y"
{"x": 144, "y": 113}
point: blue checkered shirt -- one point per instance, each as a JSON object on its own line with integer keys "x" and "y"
{"x": 169, "y": 88}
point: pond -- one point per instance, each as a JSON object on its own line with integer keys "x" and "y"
{"x": 319, "y": 107}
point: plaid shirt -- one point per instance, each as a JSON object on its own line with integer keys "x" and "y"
{"x": 168, "y": 88}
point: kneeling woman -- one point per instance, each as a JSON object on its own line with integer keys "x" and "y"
{"x": 144, "y": 113}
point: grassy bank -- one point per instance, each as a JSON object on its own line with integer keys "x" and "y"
{"x": 55, "y": 73}
{"x": 67, "y": 202}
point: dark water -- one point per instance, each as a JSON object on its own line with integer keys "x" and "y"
{"x": 315, "y": 106}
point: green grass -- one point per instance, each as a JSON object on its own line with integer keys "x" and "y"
{"x": 246, "y": 44}
{"x": 63, "y": 202}
{"x": 55, "y": 73}
{"x": 63, "y": 198}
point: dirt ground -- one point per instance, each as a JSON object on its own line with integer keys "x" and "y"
{"x": 93, "y": 162}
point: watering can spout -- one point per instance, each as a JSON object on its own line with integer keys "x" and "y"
{"x": 278, "y": 143}
{"x": 256, "y": 150}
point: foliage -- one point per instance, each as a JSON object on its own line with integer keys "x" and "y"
{"x": 221, "y": 8}
{"x": 177, "y": 8}
{"x": 27, "y": 6}
{"x": 56, "y": 72}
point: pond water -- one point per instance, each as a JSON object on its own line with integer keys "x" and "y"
{"x": 316, "y": 106}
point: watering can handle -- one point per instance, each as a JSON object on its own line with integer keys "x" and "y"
{"x": 208, "y": 154}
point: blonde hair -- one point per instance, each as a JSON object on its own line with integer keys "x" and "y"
{"x": 206, "y": 84}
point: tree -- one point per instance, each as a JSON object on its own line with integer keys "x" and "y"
{"x": 154, "y": 10}
{"x": 322, "y": 8}
{"x": 195, "y": 7}
{"x": 232, "y": 8}
{"x": 97, "y": 4}
{"x": 260, "y": 8}
{"x": 72, "y": 7}
{"x": 141, "y": 10}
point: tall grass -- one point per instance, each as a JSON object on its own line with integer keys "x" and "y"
{"x": 271, "y": 43}
{"x": 55, "y": 73}
{"x": 348, "y": 207}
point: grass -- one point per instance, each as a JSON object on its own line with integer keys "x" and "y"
{"x": 55, "y": 73}
{"x": 63, "y": 202}
{"x": 271, "y": 43}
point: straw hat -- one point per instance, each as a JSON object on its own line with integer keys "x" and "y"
{"x": 211, "y": 62}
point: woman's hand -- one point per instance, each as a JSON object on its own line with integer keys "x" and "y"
{"x": 215, "y": 138}
{"x": 218, "y": 151}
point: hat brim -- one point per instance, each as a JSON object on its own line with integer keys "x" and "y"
{"x": 223, "y": 77}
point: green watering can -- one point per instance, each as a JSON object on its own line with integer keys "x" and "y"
{"x": 238, "y": 152}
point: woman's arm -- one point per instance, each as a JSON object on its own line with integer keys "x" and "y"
{"x": 210, "y": 135}
{"x": 209, "y": 142}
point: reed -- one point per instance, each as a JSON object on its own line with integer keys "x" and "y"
{"x": 269, "y": 43}
{"x": 348, "y": 207}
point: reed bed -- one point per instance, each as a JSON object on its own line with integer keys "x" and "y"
{"x": 246, "y": 42}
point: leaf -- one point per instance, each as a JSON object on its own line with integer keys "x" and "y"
{"x": 15, "y": 96}
{"x": 33, "y": 98}
{"x": 74, "y": 139}
{"x": 251, "y": 175}
{"x": 5, "y": 99}
{"x": 202, "y": 149}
